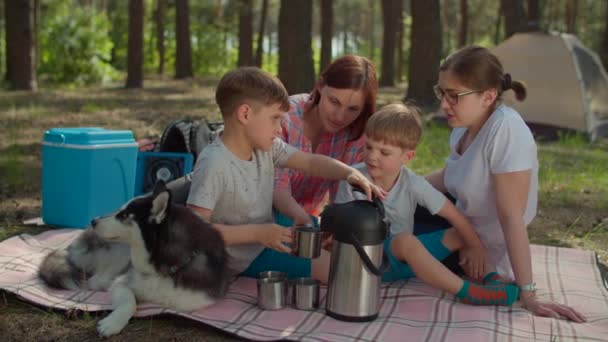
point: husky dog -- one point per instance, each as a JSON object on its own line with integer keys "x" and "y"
{"x": 174, "y": 258}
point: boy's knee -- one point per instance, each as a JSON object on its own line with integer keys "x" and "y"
{"x": 400, "y": 244}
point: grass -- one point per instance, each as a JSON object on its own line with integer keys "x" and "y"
{"x": 573, "y": 198}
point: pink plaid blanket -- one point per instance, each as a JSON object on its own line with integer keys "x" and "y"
{"x": 410, "y": 309}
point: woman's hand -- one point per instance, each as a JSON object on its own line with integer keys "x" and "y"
{"x": 356, "y": 178}
{"x": 302, "y": 220}
{"x": 474, "y": 261}
{"x": 274, "y": 236}
{"x": 550, "y": 309}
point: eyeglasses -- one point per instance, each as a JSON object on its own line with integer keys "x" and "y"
{"x": 451, "y": 97}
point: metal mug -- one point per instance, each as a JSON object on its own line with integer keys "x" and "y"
{"x": 307, "y": 242}
{"x": 305, "y": 293}
{"x": 272, "y": 290}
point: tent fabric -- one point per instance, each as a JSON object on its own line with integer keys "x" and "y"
{"x": 566, "y": 82}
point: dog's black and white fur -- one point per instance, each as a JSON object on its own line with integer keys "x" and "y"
{"x": 173, "y": 258}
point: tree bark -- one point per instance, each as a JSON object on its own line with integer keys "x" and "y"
{"x": 463, "y": 28}
{"x": 327, "y": 32}
{"x": 390, "y": 15}
{"x": 400, "y": 52}
{"x": 534, "y": 13}
{"x": 513, "y": 11}
{"x": 259, "y": 52}
{"x": 425, "y": 52}
{"x": 183, "y": 53}
{"x": 604, "y": 46}
{"x": 296, "y": 68}
{"x": 371, "y": 29}
{"x": 571, "y": 14}
{"x": 135, "y": 53}
{"x": 159, "y": 15}
{"x": 245, "y": 33}
{"x": 20, "y": 44}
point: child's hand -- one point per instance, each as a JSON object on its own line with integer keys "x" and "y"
{"x": 356, "y": 178}
{"x": 327, "y": 241}
{"x": 274, "y": 236}
{"x": 302, "y": 220}
{"x": 473, "y": 261}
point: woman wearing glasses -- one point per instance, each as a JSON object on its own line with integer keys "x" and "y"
{"x": 492, "y": 168}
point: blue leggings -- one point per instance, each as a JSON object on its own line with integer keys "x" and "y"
{"x": 271, "y": 260}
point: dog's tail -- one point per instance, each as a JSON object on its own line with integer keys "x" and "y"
{"x": 58, "y": 272}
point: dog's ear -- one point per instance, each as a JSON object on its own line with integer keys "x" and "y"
{"x": 159, "y": 187}
{"x": 160, "y": 204}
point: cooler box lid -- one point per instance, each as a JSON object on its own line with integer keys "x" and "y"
{"x": 88, "y": 136}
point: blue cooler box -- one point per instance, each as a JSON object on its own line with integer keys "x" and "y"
{"x": 86, "y": 172}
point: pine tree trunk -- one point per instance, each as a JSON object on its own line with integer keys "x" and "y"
{"x": 327, "y": 32}
{"x": 571, "y": 14}
{"x": 400, "y": 52}
{"x": 534, "y": 13}
{"x": 390, "y": 15}
{"x": 425, "y": 51}
{"x": 135, "y": 53}
{"x": 183, "y": 53}
{"x": 513, "y": 11}
{"x": 464, "y": 23}
{"x": 245, "y": 33}
{"x": 159, "y": 15}
{"x": 296, "y": 68}
{"x": 604, "y": 46}
{"x": 20, "y": 43}
{"x": 371, "y": 29}
{"x": 259, "y": 52}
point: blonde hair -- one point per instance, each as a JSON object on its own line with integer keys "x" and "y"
{"x": 249, "y": 84}
{"x": 396, "y": 124}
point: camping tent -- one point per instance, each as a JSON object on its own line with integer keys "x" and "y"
{"x": 566, "y": 82}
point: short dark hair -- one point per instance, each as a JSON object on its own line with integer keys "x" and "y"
{"x": 249, "y": 84}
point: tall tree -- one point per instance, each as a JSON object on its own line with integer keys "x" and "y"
{"x": 20, "y": 44}
{"x": 390, "y": 15}
{"x": 463, "y": 28}
{"x": 135, "y": 53}
{"x": 425, "y": 51}
{"x": 513, "y": 11}
{"x": 183, "y": 53}
{"x": 296, "y": 68}
{"x": 571, "y": 14}
{"x": 245, "y": 33}
{"x": 371, "y": 22}
{"x": 400, "y": 52}
{"x": 260, "y": 44}
{"x": 534, "y": 13}
{"x": 604, "y": 46}
{"x": 159, "y": 16}
{"x": 327, "y": 32}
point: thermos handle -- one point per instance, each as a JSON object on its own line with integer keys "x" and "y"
{"x": 366, "y": 260}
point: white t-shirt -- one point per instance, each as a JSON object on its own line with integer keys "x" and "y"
{"x": 504, "y": 144}
{"x": 237, "y": 191}
{"x": 400, "y": 202}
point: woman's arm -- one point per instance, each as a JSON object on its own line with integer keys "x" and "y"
{"x": 511, "y": 201}
{"x": 436, "y": 180}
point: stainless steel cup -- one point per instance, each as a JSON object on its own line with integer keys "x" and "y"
{"x": 307, "y": 242}
{"x": 272, "y": 290}
{"x": 305, "y": 293}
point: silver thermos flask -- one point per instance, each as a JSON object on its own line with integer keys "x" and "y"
{"x": 357, "y": 259}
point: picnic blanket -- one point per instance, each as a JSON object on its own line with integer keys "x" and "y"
{"x": 410, "y": 309}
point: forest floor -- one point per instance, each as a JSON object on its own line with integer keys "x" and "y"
{"x": 573, "y": 197}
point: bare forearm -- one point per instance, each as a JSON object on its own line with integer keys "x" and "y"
{"x": 460, "y": 223}
{"x": 237, "y": 234}
{"x": 436, "y": 180}
{"x": 321, "y": 166}
{"x": 287, "y": 205}
{"x": 518, "y": 246}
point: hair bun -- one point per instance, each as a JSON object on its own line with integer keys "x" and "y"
{"x": 506, "y": 82}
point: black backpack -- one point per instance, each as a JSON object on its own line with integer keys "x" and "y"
{"x": 188, "y": 136}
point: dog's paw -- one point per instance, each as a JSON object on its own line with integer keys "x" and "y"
{"x": 99, "y": 283}
{"x": 111, "y": 325}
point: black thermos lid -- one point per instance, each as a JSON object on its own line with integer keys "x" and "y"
{"x": 363, "y": 219}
